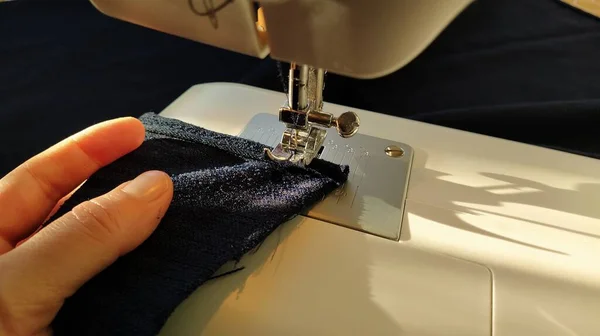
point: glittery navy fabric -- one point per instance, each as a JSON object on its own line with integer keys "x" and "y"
{"x": 227, "y": 199}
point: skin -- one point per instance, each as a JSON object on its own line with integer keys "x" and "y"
{"x": 40, "y": 268}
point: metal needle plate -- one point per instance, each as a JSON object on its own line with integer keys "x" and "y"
{"x": 372, "y": 200}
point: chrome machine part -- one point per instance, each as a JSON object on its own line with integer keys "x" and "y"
{"x": 305, "y": 122}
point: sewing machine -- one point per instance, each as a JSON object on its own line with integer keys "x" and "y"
{"x": 437, "y": 232}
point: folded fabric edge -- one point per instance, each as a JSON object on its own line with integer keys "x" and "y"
{"x": 240, "y": 147}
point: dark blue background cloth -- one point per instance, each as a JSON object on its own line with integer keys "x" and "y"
{"x": 525, "y": 70}
{"x": 227, "y": 199}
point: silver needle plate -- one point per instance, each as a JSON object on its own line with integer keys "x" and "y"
{"x": 372, "y": 200}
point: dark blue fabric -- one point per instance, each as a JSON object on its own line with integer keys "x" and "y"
{"x": 227, "y": 199}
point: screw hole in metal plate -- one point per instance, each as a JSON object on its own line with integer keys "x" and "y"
{"x": 394, "y": 151}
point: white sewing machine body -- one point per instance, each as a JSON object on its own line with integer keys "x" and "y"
{"x": 476, "y": 236}
{"x": 497, "y": 238}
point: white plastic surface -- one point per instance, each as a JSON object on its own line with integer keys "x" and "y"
{"x": 314, "y": 278}
{"x": 531, "y": 215}
{"x": 356, "y": 38}
{"x": 235, "y": 31}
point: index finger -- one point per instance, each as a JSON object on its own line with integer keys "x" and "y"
{"x": 30, "y": 192}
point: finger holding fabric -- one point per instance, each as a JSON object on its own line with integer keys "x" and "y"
{"x": 39, "y": 274}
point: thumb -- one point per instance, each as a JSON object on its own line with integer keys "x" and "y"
{"x": 61, "y": 257}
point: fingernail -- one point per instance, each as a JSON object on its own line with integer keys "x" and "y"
{"x": 148, "y": 186}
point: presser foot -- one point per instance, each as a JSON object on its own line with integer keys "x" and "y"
{"x": 303, "y": 139}
{"x": 305, "y": 122}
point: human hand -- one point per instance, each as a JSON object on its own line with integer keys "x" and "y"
{"x": 39, "y": 270}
